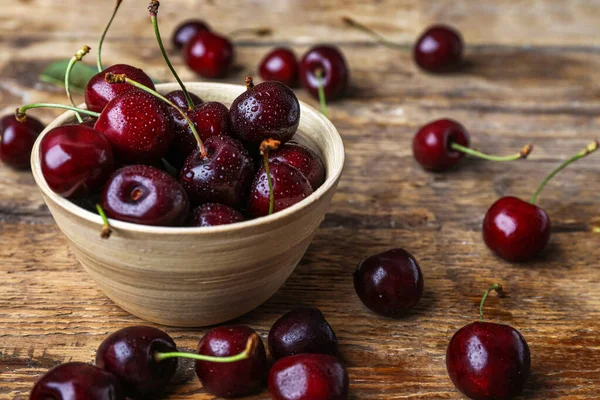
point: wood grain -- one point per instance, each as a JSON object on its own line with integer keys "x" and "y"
{"x": 532, "y": 76}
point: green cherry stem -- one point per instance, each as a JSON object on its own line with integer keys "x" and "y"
{"x": 101, "y": 41}
{"x": 248, "y": 351}
{"x": 21, "y": 115}
{"x": 527, "y": 149}
{"x": 592, "y": 147}
{"x": 122, "y": 78}
{"x": 105, "y": 232}
{"x": 266, "y": 146}
{"x": 498, "y": 288}
{"x": 321, "y": 90}
{"x": 76, "y": 57}
{"x": 378, "y": 37}
{"x": 153, "y": 9}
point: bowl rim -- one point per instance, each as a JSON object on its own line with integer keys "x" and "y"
{"x": 333, "y": 177}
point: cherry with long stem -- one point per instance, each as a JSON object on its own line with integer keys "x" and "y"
{"x": 251, "y": 345}
{"x": 101, "y": 41}
{"x": 527, "y": 149}
{"x": 106, "y": 231}
{"x": 495, "y": 287}
{"x": 590, "y": 148}
{"x": 266, "y": 146}
{"x": 76, "y": 57}
{"x": 21, "y": 112}
{"x": 378, "y": 37}
{"x": 122, "y": 78}
{"x": 321, "y": 89}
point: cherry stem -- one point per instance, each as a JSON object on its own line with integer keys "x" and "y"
{"x": 105, "y": 232}
{"x": 21, "y": 115}
{"x": 265, "y": 147}
{"x": 498, "y": 288}
{"x": 153, "y": 9}
{"x": 321, "y": 90}
{"x": 592, "y": 147}
{"x": 527, "y": 149}
{"x": 122, "y": 78}
{"x": 99, "y": 57}
{"x": 249, "y": 82}
{"x": 76, "y": 57}
{"x": 248, "y": 351}
{"x": 260, "y": 31}
{"x": 378, "y": 37}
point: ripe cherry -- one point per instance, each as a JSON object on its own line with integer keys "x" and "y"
{"x": 441, "y": 144}
{"x": 269, "y": 110}
{"x": 488, "y": 361}
{"x": 17, "y": 139}
{"x": 330, "y": 64}
{"x": 234, "y": 379}
{"x": 186, "y": 31}
{"x": 213, "y": 214}
{"x": 389, "y": 283}
{"x": 75, "y": 160}
{"x": 303, "y": 159}
{"x": 281, "y": 65}
{"x": 517, "y": 230}
{"x": 439, "y": 49}
{"x": 209, "y": 54}
{"x": 302, "y": 330}
{"x": 309, "y": 377}
{"x": 77, "y": 381}
{"x": 145, "y": 195}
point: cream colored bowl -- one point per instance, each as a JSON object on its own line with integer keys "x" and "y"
{"x": 199, "y": 276}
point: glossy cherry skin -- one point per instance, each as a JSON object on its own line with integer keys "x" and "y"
{"x": 335, "y": 73}
{"x": 269, "y": 110}
{"x": 17, "y": 139}
{"x": 76, "y": 160}
{"x": 98, "y": 92}
{"x": 223, "y": 177}
{"x": 209, "y": 54}
{"x": 431, "y": 144}
{"x": 129, "y": 355}
{"x": 280, "y": 64}
{"x": 303, "y": 159}
{"x": 213, "y": 214}
{"x": 186, "y": 31}
{"x": 302, "y": 330}
{"x": 389, "y": 283}
{"x": 145, "y": 195}
{"x": 236, "y": 379}
{"x": 438, "y": 49}
{"x": 77, "y": 381}
{"x": 515, "y": 229}
{"x": 290, "y": 186}
{"x": 488, "y": 361}
{"x": 138, "y": 127}
{"x": 308, "y": 377}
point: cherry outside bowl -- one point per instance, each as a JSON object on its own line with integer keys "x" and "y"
{"x": 199, "y": 276}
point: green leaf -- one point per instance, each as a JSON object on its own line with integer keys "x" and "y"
{"x": 80, "y": 75}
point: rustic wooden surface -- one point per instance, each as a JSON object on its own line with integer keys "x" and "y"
{"x": 532, "y": 75}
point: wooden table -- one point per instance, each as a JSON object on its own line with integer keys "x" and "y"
{"x": 532, "y": 76}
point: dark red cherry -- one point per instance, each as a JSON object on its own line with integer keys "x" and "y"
{"x": 431, "y": 144}
{"x": 389, "y": 283}
{"x": 269, "y": 110}
{"x": 280, "y": 65}
{"x": 303, "y": 159}
{"x": 129, "y": 355}
{"x": 515, "y": 229}
{"x": 223, "y": 177}
{"x": 17, "y": 139}
{"x": 138, "y": 127}
{"x": 178, "y": 97}
{"x": 77, "y": 381}
{"x": 308, "y": 377}
{"x": 209, "y": 54}
{"x": 186, "y": 31}
{"x": 335, "y": 75}
{"x": 213, "y": 214}
{"x": 438, "y": 49}
{"x": 98, "y": 92}
{"x": 302, "y": 330}
{"x": 145, "y": 195}
{"x": 235, "y": 379}
{"x": 290, "y": 186}
{"x": 76, "y": 160}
